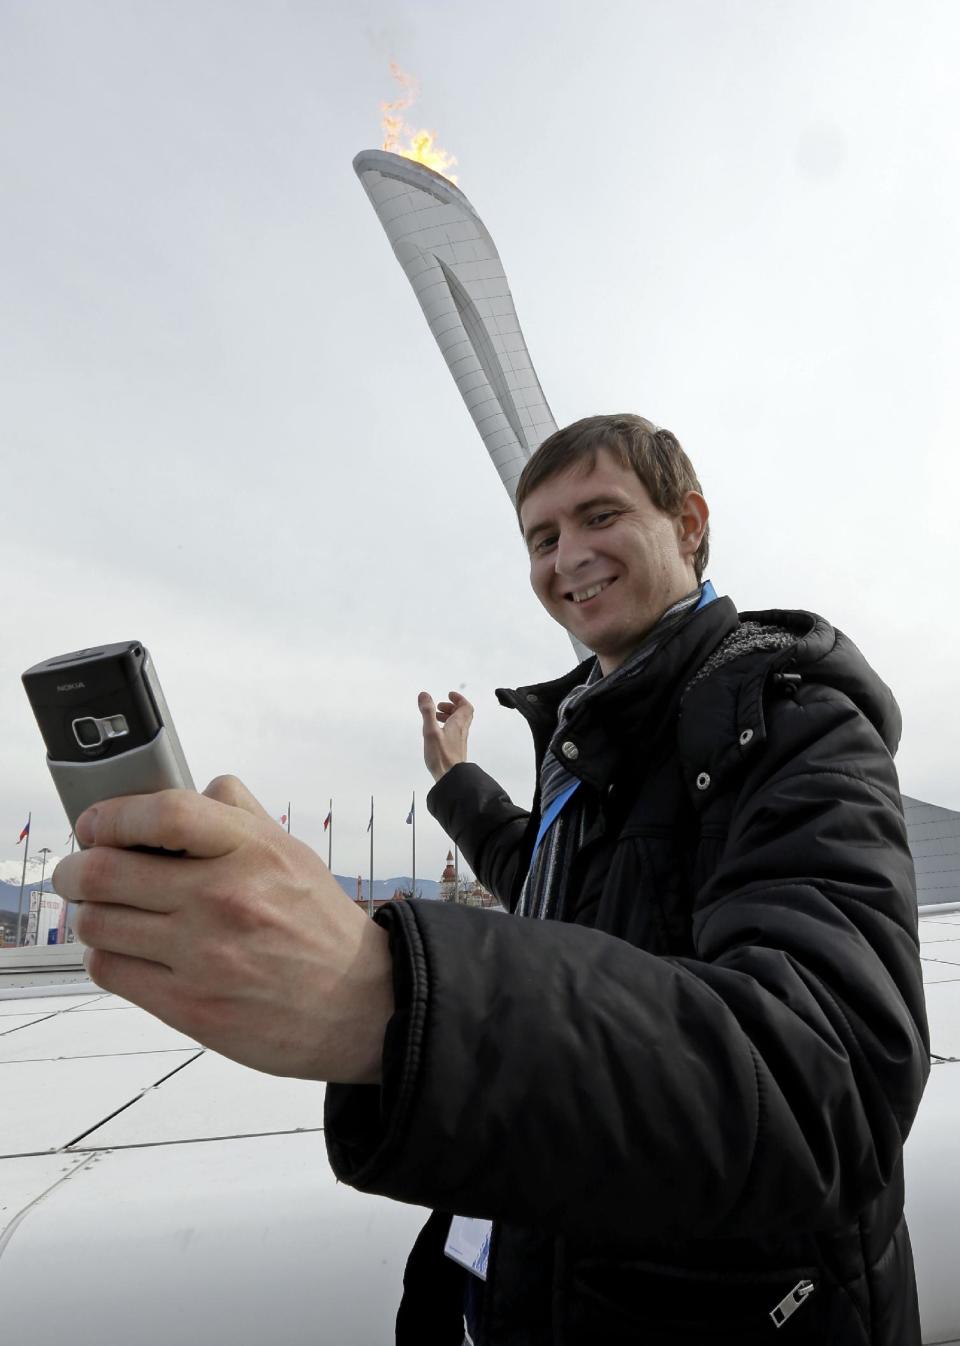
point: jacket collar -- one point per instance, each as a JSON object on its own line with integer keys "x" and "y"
{"x": 716, "y": 720}
{"x": 600, "y": 728}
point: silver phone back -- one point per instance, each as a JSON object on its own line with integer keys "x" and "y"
{"x": 158, "y": 765}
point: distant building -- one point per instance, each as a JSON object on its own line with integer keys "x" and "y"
{"x": 934, "y": 836}
{"x": 467, "y": 894}
{"x": 378, "y": 902}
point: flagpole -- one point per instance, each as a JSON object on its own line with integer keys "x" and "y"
{"x": 44, "y": 851}
{"x": 370, "y": 895}
{"x": 23, "y": 876}
{"x": 65, "y": 911}
{"x": 330, "y": 841}
{"x": 288, "y": 818}
{"x": 413, "y": 881}
{"x": 456, "y": 873}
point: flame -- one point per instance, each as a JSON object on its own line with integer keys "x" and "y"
{"x": 421, "y": 145}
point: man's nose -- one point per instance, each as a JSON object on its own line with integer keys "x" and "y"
{"x": 572, "y": 554}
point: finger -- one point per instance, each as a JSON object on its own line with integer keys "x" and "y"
{"x": 143, "y": 983}
{"x": 159, "y": 883}
{"x": 463, "y": 713}
{"x": 231, "y": 790}
{"x": 124, "y": 930}
{"x": 172, "y": 820}
{"x": 427, "y": 709}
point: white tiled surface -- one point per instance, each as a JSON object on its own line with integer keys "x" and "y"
{"x": 940, "y": 960}
{"x": 213, "y": 1181}
{"x": 48, "y": 1104}
{"x": 932, "y": 1156}
{"x": 214, "y": 1097}
{"x": 76, "y": 1033}
{"x": 102, "y": 1002}
{"x": 25, "y": 1180}
{"x": 939, "y": 930}
{"x": 9, "y": 1023}
{"x": 943, "y": 1014}
{"x": 49, "y": 1004}
{"x": 932, "y": 1170}
{"x": 938, "y": 969}
{"x": 238, "y": 1241}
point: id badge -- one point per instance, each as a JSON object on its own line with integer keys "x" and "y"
{"x": 468, "y": 1243}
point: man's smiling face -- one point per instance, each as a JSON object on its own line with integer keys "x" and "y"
{"x": 605, "y": 562}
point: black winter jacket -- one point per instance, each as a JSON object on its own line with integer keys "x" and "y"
{"x": 691, "y": 1095}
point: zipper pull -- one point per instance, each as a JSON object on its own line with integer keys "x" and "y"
{"x": 791, "y": 1302}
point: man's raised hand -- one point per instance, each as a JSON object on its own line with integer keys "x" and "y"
{"x": 446, "y": 726}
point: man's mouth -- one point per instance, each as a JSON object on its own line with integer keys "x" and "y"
{"x": 584, "y": 595}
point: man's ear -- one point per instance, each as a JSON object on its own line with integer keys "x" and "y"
{"x": 692, "y": 522}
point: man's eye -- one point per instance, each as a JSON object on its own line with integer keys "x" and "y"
{"x": 544, "y": 544}
{"x": 602, "y": 518}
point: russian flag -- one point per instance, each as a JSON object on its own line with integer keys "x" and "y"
{"x": 410, "y": 814}
{"x": 328, "y": 820}
{"x": 24, "y": 833}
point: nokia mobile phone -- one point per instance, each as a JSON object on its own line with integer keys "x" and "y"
{"x": 106, "y": 724}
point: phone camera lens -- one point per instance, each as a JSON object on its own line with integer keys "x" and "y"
{"x": 88, "y": 733}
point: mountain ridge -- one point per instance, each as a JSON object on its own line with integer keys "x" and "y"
{"x": 383, "y": 889}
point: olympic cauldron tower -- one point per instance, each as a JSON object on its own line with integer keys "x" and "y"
{"x": 456, "y": 273}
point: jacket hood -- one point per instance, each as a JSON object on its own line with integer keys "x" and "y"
{"x": 821, "y": 653}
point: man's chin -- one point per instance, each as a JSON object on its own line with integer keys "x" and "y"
{"x": 575, "y": 629}
{"x": 612, "y": 648}
{"x": 609, "y": 645}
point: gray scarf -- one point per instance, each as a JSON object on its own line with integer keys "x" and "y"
{"x": 544, "y": 888}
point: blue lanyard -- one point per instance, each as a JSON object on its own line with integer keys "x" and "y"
{"x": 707, "y": 596}
{"x": 546, "y": 822}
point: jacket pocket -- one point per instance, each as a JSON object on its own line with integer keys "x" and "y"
{"x": 641, "y": 1302}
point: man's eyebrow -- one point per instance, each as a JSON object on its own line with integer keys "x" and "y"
{"x": 584, "y": 507}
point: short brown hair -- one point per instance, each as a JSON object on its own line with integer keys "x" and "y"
{"x": 653, "y": 453}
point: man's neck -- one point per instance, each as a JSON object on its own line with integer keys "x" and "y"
{"x": 609, "y": 663}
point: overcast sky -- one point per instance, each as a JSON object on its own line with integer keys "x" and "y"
{"x": 227, "y": 432}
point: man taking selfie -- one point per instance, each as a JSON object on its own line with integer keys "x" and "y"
{"x": 680, "y": 1085}
{"x": 666, "y": 1101}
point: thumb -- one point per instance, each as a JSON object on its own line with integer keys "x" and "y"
{"x": 427, "y": 708}
{"x": 231, "y": 790}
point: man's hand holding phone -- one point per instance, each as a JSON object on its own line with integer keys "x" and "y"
{"x": 245, "y": 943}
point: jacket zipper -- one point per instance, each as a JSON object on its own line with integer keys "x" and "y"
{"x": 791, "y": 1302}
